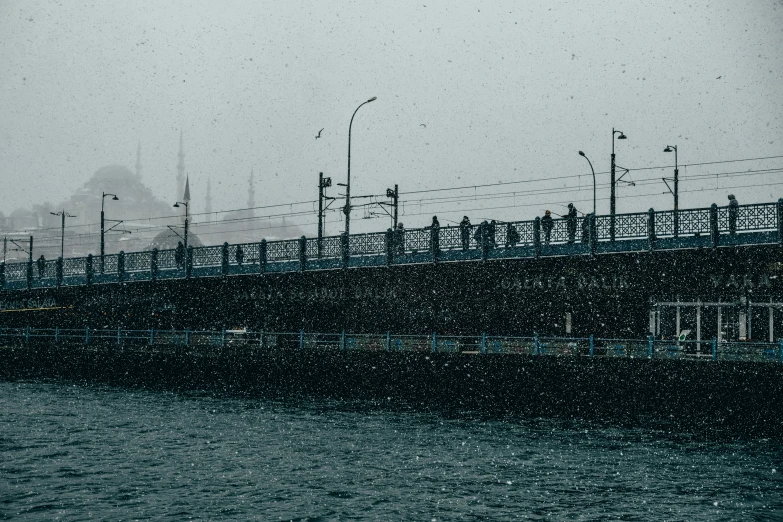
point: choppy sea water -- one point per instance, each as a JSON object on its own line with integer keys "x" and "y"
{"x": 72, "y": 452}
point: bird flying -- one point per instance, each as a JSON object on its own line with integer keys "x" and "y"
{"x": 319, "y": 133}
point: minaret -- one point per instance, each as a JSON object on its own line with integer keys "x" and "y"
{"x": 138, "y": 161}
{"x": 251, "y": 195}
{"x": 186, "y": 196}
{"x": 208, "y": 206}
{"x": 181, "y": 167}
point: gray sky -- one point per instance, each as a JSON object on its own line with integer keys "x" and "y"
{"x": 508, "y": 91}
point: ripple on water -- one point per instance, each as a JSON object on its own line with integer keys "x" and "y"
{"x": 69, "y": 451}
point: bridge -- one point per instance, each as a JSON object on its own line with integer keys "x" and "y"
{"x": 709, "y": 227}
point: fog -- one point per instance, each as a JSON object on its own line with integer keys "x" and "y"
{"x": 469, "y": 93}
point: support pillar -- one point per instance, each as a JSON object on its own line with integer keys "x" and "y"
{"x": 537, "y": 236}
{"x": 224, "y": 259}
{"x": 302, "y": 254}
{"x": 714, "y": 233}
{"x": 154, "y": 265}
{"x": 262, "y": 256}
{"x": 121, "y": 266}
{"x": 651, "y": 230}
{"x": 88, "y": 269}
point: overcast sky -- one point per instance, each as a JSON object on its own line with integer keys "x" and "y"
{"x": 468, "y": 93}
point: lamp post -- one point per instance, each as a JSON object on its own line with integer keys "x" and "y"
{"x": 176, "y": 205}
{"x": 613, "y": 184}
{"x": 103, "y": 244}
{"x": 593, "y": 170}
{"x": 347, "y": 208}
{"x": 322, "y": 184}
{"x": 670, "y": 148}
{"x": 64, "y": 215}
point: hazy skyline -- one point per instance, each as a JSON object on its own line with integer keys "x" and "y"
{"x": 468, "y": 93}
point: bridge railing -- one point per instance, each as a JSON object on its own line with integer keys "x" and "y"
{"x": 689, "y": 222}
{"x": 205, "y": 342}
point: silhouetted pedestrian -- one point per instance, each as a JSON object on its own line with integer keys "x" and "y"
{"x": 179, "y": 255}
{"x": 571, "y": 222}
{"x": 240, "y": 255}
{"x": 435, "y": 222}
{"x": 41, "y": 262}
{"x": 546, "y": 225}
{"x": 464, "y": 231}
{"x": 586, "y": 227}
{"x": 512, "y": 236}
{"x": 399, "y": 239}
{"x": 482, "y": 234}
{"x": 733, "y": 211}
{"x": 491, "y": 233}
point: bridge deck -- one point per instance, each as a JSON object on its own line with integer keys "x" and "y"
{"x": 756, "y": 224}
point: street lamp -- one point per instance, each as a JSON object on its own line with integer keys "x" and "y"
{"x": 103, "y": 244}
{"x": 593, "y": 170}
{"x": 347, "y": 208}
{"x": 64, "y": 215}
{"x": 676, "y": 192}
{"x": 176, "y": 205}
{"x": 613, "y": 185}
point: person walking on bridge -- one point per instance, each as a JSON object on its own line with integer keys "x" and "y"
{"x": 512, "y": 236}
{"x": 546, "y": 225}
{"x": 41, "y": 262}
{"x": 733, "y": 211}
{"x": 571, "y": 223}
{"x": 179, "y": 255}
{"x": 464, "y": 231}
{"x": 586, "y": 227}
{"x": 399, "y": 238}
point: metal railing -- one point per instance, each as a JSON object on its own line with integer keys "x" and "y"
{"x": 710, "y": 222}
{"x": 481, "y": 344}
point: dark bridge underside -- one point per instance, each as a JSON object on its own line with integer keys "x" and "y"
{"x": 606, "y": 295}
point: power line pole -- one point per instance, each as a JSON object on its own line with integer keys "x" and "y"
{"x": 322, "y": 184}
{"x": 395, "y": 197}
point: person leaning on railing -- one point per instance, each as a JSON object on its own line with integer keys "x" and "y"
{"x": 546, "y": 225}
{"x": 464, "y": 231}
{"x": 733, "y": 210}
{"x": 399, "y": 238}
{"x": 571, "y": 222}
{"x": 41, "y": 262}
{"x": 512, "y": 236}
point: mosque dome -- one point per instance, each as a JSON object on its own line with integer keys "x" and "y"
{"x": 168, "y": 240}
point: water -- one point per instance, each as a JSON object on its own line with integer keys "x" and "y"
{"x": 71, "y": 452}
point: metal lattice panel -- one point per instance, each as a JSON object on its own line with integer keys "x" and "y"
{"x": 16, "y": 271}
{"x": 559, "y": 233}
{"x": 208, "y": 256}
{"x": 330, "y": 246}
{"x": 166, "y": 260}
{"x": 525, "y": 230}
{"x": 693, "y": 221}
{"x": 311, "y": 248}
{"x": 110, "y": 264}
{"x": 282, "y": 250}
{"x": 602, "y": 225}
{"x": 138, "y": 261}
{"x": 664, "y": 223}
{"x": 450, "y": 238}
{"x": 363, "y": 244}
{"x": 757, "y": 217}
{"x": 251, "y": 253}
{"x": 723, "y": 219}
{"x": 74, "y": 266}
{"x": 417, "y": 239}
{"x": 631, "y": 225}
